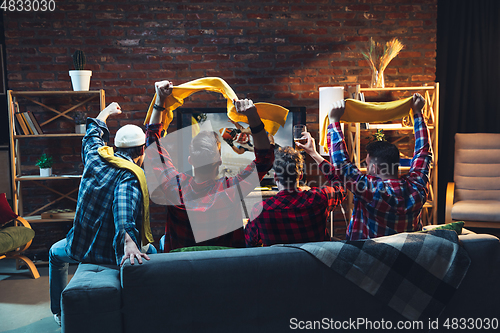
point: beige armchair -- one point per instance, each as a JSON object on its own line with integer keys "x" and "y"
{"x": 474, "y": 197}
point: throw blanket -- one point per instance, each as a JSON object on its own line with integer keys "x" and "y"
{"x": 369, "y": 112}
{"x": 118, "y": 162}
{"x": 415, "y": 274}
{"x": 272, "y": 115}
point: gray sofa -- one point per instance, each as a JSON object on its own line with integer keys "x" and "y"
{"x": 270, "y": 289}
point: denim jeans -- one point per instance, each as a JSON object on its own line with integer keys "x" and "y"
{"x": 151, "y": 249}
{"x": 59, "y": 262}
{"x": 162, "y": 243}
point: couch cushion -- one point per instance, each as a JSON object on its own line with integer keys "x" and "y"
{"x": 476, "y": 210}
{"x": 13, "y": 237}
{"x": 91, "y": 302}
{"x": 455, "y": 226}
{"x": 434, "y": 226}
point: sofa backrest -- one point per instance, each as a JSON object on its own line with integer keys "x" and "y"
{"x": 477, "y": 166}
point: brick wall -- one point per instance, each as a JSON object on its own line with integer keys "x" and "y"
{"x": 273, "y": 51}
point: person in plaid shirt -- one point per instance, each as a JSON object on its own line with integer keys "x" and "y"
{"x": 384, "y": 203}
{"x": 108, "y": 215}
{"x": 293, "y": 215}
{"x": 203, "y": 199}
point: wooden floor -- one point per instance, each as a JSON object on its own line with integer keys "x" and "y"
{"x": 24, "y": 301}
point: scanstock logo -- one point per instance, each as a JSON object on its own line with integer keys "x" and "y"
{"x": 214, "y": 210}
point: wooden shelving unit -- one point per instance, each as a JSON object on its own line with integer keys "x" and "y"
{"x": 78, "y": 99}
{"x": 353, "y": 134}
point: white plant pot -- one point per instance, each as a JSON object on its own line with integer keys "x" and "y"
{"x": 80, "y": 128}
{"x": 45, "y": 172}
{"x": 80, "y": 80}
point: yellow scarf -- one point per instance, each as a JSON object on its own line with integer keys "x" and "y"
{"x": 108, "y": 154}
{"x": 272, "y": 115}
{"x": 369, "y": 112}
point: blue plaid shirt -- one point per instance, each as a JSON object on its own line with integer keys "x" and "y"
{"x": 109, "y": 204}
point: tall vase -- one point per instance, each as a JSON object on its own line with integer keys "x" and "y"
{"x": 377, "y": 79}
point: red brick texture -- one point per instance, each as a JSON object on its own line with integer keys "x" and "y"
{"x": 278, "y": 51}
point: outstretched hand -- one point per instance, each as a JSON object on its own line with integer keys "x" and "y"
{"x": 110, "y": 110}
{"x": 163, "y": 89}
{"x": 132, "y": 252}
{"x": 247, "y": 108}
{"x": 244, "y": 105}
{"x": 337, "y": 111}
{"x": 417, "y": 103}
{"x": 310, "y": 145}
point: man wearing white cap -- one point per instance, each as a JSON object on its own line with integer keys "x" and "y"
{"x": 111, "y": 208}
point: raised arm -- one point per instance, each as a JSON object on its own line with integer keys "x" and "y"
{"x": 325, "y": 166}
{"x": 336, "y": 144}
{"x": 336, "y": 191}
{"x": 158, "y": 160}
{"x": 246, "y": 107}
{"x": 264, "y": 154}
{"x": 163, "y": 89}
{"x": 354, "y": 180}
{"x": 97, "y": 131}
{"x": 110, "y": 110}
{"x": 310, "y": 148}
{"x": 422, "y": 156}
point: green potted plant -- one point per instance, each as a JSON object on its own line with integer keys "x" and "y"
{"x": 80, "y": 78}
{"x": 379, "y": 135}
{"x": 45, "y": 163}
{"x": 80, "y": 118}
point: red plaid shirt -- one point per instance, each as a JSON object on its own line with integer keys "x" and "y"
{"x": 295, "y": 216}
{"x": 384, "y": 207}
{"x": 221, "y": 197}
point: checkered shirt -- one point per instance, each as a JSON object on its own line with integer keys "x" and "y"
{"x": 384, "y": 207}
{"x": 212, "y": 196}
{"x": 295, "y": 216}
{"x": 109, "y": 204}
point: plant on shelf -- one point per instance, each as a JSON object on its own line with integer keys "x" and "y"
{"x": 379, "y": 135}
{"x": 45, "y": 163}
{"x": 80, "y": 78}
{"x": 79, "y": 60}
{"x": 80, "y": 118}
